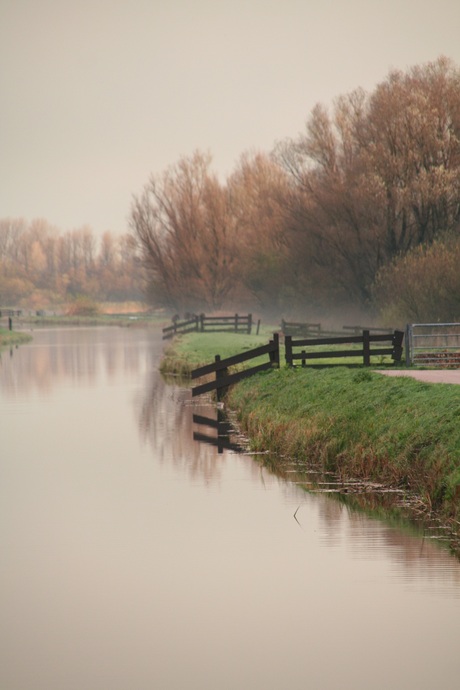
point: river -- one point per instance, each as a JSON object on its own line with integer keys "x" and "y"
{"x": 133, "y": 558}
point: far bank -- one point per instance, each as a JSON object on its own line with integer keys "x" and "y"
{"x": 8, "y": 338}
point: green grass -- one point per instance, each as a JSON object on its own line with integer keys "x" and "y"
{"x": 195, "y": 349}
{"x": 360, "y": 423}
{"x": 8, "y": 338}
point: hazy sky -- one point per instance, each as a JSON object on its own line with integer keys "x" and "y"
{"x": 98, "y": 94}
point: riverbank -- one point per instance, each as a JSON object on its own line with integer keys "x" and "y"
{"x": 8, "y": 338}
{"x": 397, "y": 432}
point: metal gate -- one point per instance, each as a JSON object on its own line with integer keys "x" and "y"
{"x": 433, "y": 344}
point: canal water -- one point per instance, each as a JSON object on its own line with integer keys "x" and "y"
{"x": 135, "y": 558}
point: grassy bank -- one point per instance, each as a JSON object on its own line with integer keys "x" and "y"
{"x": 94, "y": 320}
{"x": 358, "y": 423}
{"x": 8, "y": 338}
{"x": 188, "y": 352}
{"x": 355, "y": 422}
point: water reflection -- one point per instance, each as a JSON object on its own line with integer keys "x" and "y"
{"x": 135, "y": 557}
{"x": 222, "y": 439}
{"x": 78, "y": 355}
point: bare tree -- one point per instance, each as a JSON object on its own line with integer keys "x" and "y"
{"x": 184, "y": 228}
{"x": 379, "y": 176}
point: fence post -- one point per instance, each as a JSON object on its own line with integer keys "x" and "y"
{"x": 202, "y": 317}
{"x": 408, "y": 344}
{"x": 249, "y": 323}
{"x": 258, "y": 326}
{"x": 220, "y": 373}
{"x": 397, "y": 345}
{"x": 10, "y": 323}
{"x": 236, "y": 323}
{"x": 275, "y": 355}
{"x": 197, "y": 323}
{"x": 366, "y": 348}
{"x": 218, "y": 376}
{"x": 288, "y": 349}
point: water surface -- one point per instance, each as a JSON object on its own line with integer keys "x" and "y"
{"x": 133, "y": 557}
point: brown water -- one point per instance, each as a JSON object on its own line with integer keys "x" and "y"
{"x": 134, "y": 558}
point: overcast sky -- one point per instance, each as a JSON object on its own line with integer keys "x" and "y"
{"x": 98, "y": 94}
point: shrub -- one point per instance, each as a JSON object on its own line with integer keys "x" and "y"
{"x": 83, "y": 306}
{"x": 421, "y": 286}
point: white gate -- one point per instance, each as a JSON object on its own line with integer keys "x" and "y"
{"x": 433, "y": 344}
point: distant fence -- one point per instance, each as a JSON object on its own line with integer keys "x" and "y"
{"x": 223, "y": 379}
{"x": 299, "y": 328}
{"x": 302, "y": 328}
{"x": 200, "y": 323}
{"x": 433, "y": 344}
{"x": 181, "y": 327}
{"x": 10, "y": 312}
{"x": 365, "y": 352}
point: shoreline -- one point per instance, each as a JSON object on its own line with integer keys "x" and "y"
{"x": 397, "y": 439}
{"x": 9, "y": 338}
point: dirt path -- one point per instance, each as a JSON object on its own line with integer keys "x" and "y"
{"x": 429, "y": 376}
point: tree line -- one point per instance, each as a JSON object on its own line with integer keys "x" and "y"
{"x": 40, "y": 265}
{"x": 357, "y": 209}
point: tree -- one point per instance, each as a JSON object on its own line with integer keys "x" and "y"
{"x": 378, "y": 177}
{"x": 38, "y": 264}
{"x": 184, "y": 229}
{"x": 257, "y": 192}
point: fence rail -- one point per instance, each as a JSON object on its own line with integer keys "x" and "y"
{"x": 181, "y": 327}
{"x": 395, "y": 351}
{"x": 433, "y": 344}
{"x": 223, "y": 379}
{"x": 233, "y": 323}
{"x": 220, "y": 368}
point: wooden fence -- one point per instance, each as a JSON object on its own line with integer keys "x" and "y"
{"x": 223, "y": 379}
{"x": 299, "y": 328}
{"x": 234, "y": 323}
{"x": 181, "y": 327}
{"x": 10, "y": 312}
{"x": 395, "y": 351}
